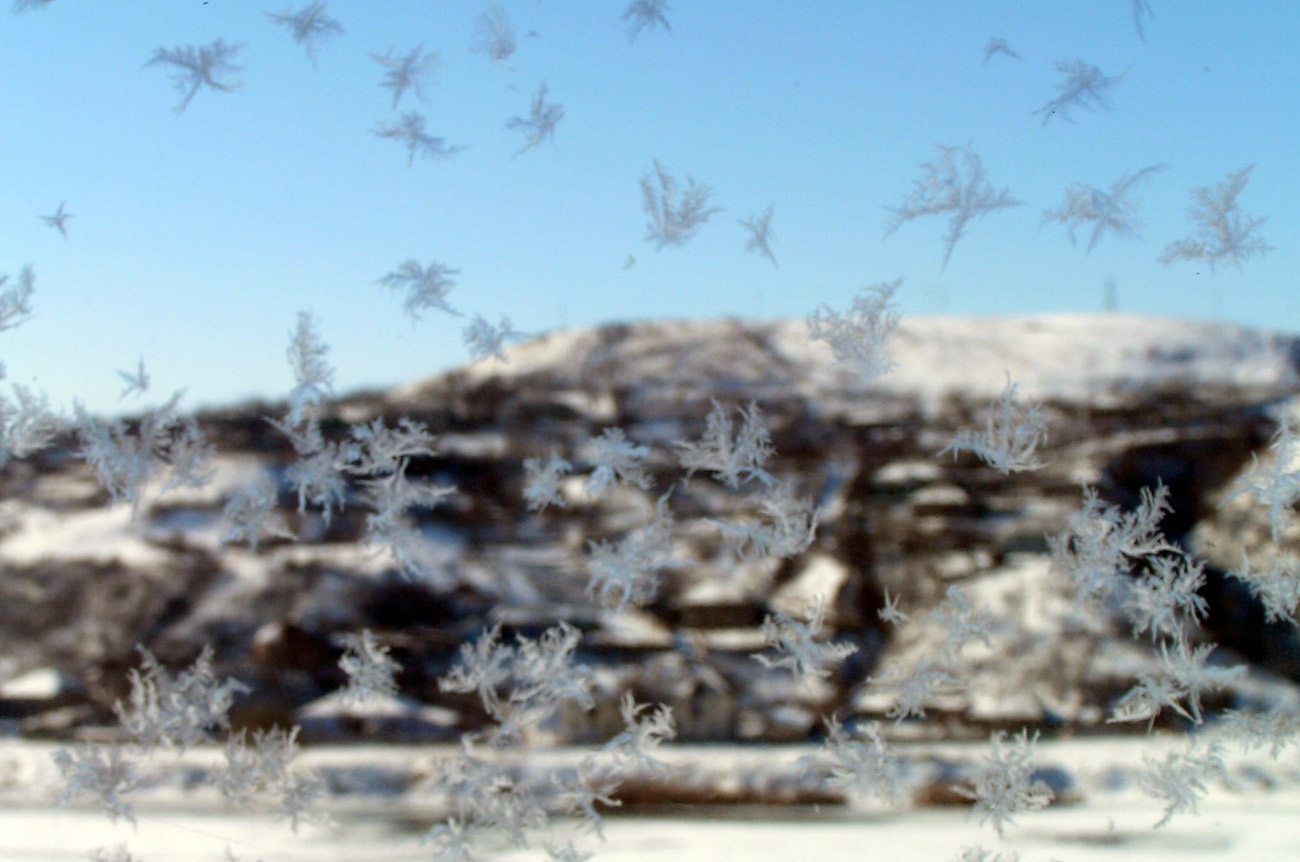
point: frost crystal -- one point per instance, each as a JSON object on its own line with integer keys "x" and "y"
{"x": 369, "y": 668}
{"x": 26, "y": 426}
{"x": 760, "y": 233}
{"x": 645, "y": 15}
{"x": 313, "y": 376}
{"x": 102, "y": 771}
{"x": 265, "y": 767}
{"x": 1179, "y": 779}
{"x": 627, "y": 573}
{"x": 1276, "y": 484}
{"x": 732, "y": 461}
{"x": 1164, "y": 600}
{"x": 487, "y": 341}
{"x": 857, "y": 337}
{"x": 15, "y": 301}
{"x": 176, "y": 712}
{"x": 544, "y": 484}
{"x": 251, "y": 515}
{"x": 997, "y": 46}
{"x": 136, "y": 381}
{"x": 616, "y": 458}
{"x": 58, "y": 219}
{"x": 1005, "y": 785}
{"x": 673, "y": 215}
{"x": 117, "y": 854}
{"x": 410, "y": 131}
{"x": 1108, "y": 210}
{"x": 1084, "y": 86}
{"x": 1277, "y": 587}
{"x": 163, "y": 441}
{"x": 407, "y": 73}
{"x": 1101, "y": 543}
{"x": 862, "y": 762}
{"x": 1141, "y": 9}
{"x": 1223, "y": 232}
{"x": 642, "y": 735}
{"x": 962, "y": 191}
{"x": 425, "y": 286}
{"x": 494, "y": 35}
{"x": 1012, "y": 433}
{"x": 540, "y": 123}
{"x": 198, "y": 67}
{"x": 520, "y": 686}
{"x": 788, "y": 528}
{"x": 796, "y": 647}
{"x": 307, "y": 25}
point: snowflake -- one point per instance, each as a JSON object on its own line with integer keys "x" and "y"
{"x": 1012, "y": 433}
{"x": 369, "y": 668}
{"x": 645, "y": 15}
{"x": 736, "y": 460}
{"x": 176, "y": 712}
{"x": 198, "y": 67}
{"x": 1084, "y": 86}
{"x": 961, "y": 190}
{"x": 797, "y": 648}
{"x": 307, "y": 25}
{"x": 406, "y": 73}
{"x": 1005, "y": 785}
{"x": 857, "y": 337}
{"x": 673, "y": 215}
{"x": 426, "y": 286}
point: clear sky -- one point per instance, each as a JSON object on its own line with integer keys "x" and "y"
{"x": 197, "y": 237}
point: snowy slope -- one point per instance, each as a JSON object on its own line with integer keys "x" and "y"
{"x": 1061, "y": 357}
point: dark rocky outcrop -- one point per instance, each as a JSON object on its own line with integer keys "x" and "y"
{"x": 1130, "y": 402}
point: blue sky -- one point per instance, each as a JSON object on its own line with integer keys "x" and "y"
{"x": 198, "y": 237}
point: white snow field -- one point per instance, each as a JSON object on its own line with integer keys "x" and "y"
{"x": 1255, "y": 815}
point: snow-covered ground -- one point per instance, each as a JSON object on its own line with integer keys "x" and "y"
{"x": 1051, "y": 356}
{"x": 1256, "y": 818}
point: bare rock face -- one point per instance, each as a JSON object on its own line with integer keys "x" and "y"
{"x": 1130, "y": 402}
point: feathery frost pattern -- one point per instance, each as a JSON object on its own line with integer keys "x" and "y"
{"x": 998, "y": 46}
{"x": 732, "y": 461}
{"x": 1223, "y": 231}
{"x": 862, "y": 762}
{"x": 545, "y": 482}
{"x": 409, "y": 130}
{"x": 494, "y": 35}
{"x": 539, "y": 126}
{"x": 1275, "y": 483}
{"x": 176, "y": 712}
{"x": 1109, "y": 210}
{"x": 759, "y": 227}
{"x": 308, "y": 25}
{"x": 673, "y": 215}
{"x": 520, "y": 686}
{"x": 858, "y": 337}
{"x": 426, "y": 286}
{"x": 1083, "y": 85}
{"x": 626, "y": 573}
{"x": 407, "y": 73}
{"x": 163, "y": 442}
{"x": 195, "y": 67}
{"x": 369, "y": 667}
{"x": 797, "y": 648}
{"x": 645, "y": 15}
{"x": 1005, "y": 784}
{"x": 1012, "y": 433}
{"x": 1121, "y": 570}
{"x": 959, "y": 189}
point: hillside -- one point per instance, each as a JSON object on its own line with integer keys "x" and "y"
{"x": 1130, "y": 401}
